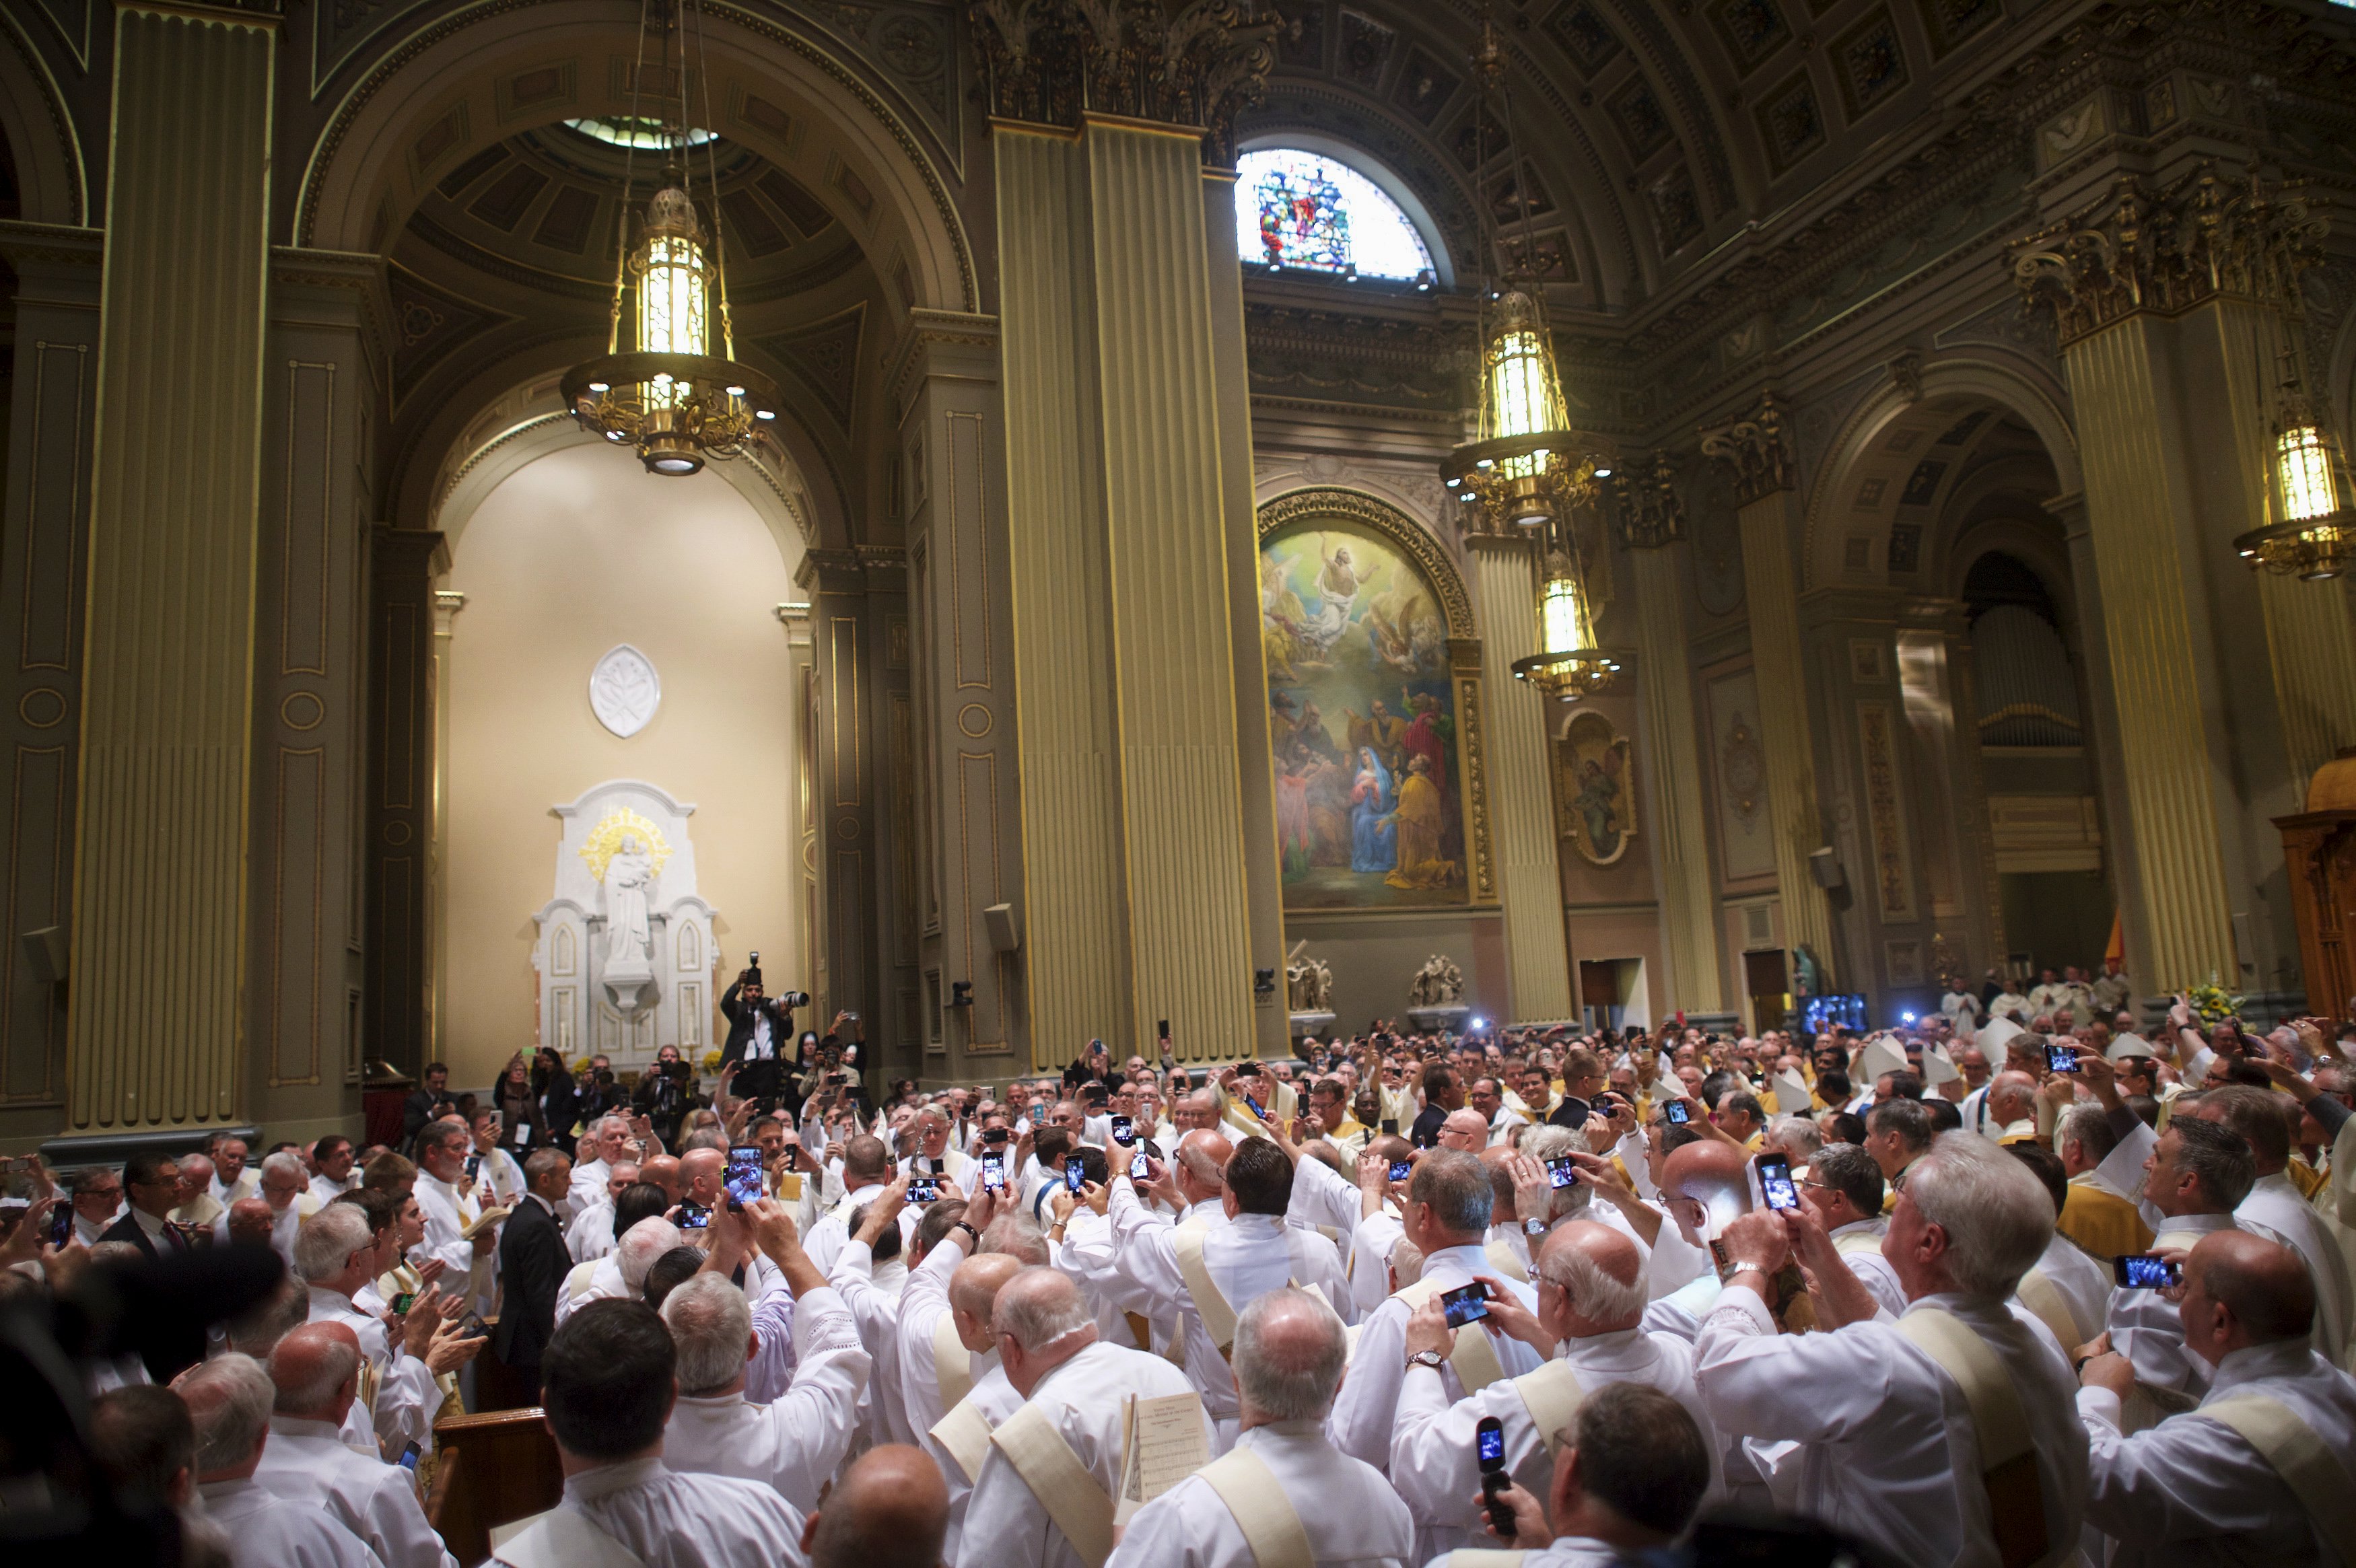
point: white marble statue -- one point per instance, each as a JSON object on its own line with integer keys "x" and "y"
{"x": 630, "y": 881}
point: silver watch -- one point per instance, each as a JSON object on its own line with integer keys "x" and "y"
{"x": 1534, "y": 1227}
{"x": 1431, "y": 1359}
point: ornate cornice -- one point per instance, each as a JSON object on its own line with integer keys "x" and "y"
{"x": 2138, "y": 249}
{"x": 1395, "y": 526}
{"x": 1757, "y": 454}
{"x": 1048, "y": 62}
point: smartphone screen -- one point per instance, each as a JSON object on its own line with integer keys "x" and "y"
{"x": 1677, "y": 1113}
{"x": 404, "y": 1301}
{"x": 693, "y": 1217}
{"x": 744, "y": 1175}
{"x": 2061, "y": 1058}
{"x": 1138, "y": 1169}
{"x": 1254, "y": 1106}
{"x": 474, "y": 1165}
{"x": 61, "y": 1225}
{"x": 1489, "y": 1443}
{"x": 1390, "y": 1126}
{"x": 1464, "y": 1304}
{"x": 1121, "y": 1129}
{"x": 923, "y": 1191}
{"x": 1401, "y": 1170}
{"x": 1775, "y": 1183}
{"x": 1562, "y": 1172}
{"x": 994, "y": 1173}
{"x": 1074, "y": 1177}
{"x": 2146, "y": 1271}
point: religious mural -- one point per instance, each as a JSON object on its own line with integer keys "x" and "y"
{"x": 1597, "y": 786}
{"x": 1362, "y": 722}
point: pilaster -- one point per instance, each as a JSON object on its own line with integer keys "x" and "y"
{"x": 161, "y": 937}
{"x": 400, "y": 810}
{"x": 1521, "y": 788}
{"x": 1765, "y": 481}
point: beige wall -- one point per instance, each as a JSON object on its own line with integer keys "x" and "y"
{"x": 575, "y": 552}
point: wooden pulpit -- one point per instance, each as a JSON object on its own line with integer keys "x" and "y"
{"x": 2319, "y": 853}
{"x": 490, "y": 1470}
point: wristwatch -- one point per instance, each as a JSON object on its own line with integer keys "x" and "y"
{"x": 1431, "y": 1359}
{"x": 972, "y": 1233}
{"x": 1534, "y": 1227}
{"x": 1759, "y": 1269}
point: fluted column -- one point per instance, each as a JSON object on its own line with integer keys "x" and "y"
{"x": 1521, "y": 798}
{"x": 160, "y": 881}
{"x": 1766, "y": 489}
{"x": 1673, "y": 769}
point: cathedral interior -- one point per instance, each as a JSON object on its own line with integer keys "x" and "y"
{"x": 1721, "y": 508}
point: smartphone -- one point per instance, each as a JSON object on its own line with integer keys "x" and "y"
{"x": 1390, "y": 1126}
{"x": 1162, "y": 1029}
{"x": 1677, "y": 1113}
{"x": 408, "y": 1460}
{"x": 993, "y": 1135}
{"x": 1464, "y": 1304}
{"x": 1254, "y": 1108}
{"x": 2061, "y": 1058}
{"x": 404, "y": 1301}
{"x": 1075, "y": 1177}
{"x": 994, "y": 1173}
{"x": 924, "y": 1190}
{"x": 61, "y": 1223}
{"x": 2147, "y": 1271}
{"x": 1401, "y": 1170}
{"x": 744, "y": 1175}
{"x": 1122, "y": 1133}
{"x": 1489, "y": 1450}
{"x": 694, "y": 1217}
{"x": 1775, "y": 1183}
{"x": 474, "y": 1165}
{"x": 1563, "y": 1172}
{"x": 1137, "y": 1167}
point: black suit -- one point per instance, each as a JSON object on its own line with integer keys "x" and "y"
{"x": 762, "y": 1077}
{"x": 128, "y": 1229}
{"x": 532, "y": 1266}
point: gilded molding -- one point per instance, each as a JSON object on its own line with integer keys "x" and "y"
{"x": 1394, "y": 526}
{"x": 1051, "y": 62}
{"x": 1757, "y": 450}
{"x": 1480, "y": 884}
{"x": 2165, "y": 251}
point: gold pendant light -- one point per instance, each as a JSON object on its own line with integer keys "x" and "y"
{"x": 666, "y": 394}
{"x": 2313, "y": 536}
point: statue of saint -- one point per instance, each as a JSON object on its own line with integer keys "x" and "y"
{"x": 630, "y": 879}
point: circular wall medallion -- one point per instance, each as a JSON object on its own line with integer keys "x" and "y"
{"x": 302, "y": 710}
{"x": 623, "y": 690}
{"x": 396, "y": 833}
{"x": 41, "y": 706}
{"x": 846, "y": 828}
{"x": 974, "y": 720}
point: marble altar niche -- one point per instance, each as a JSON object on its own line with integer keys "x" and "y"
{"x": 626, "y": 956}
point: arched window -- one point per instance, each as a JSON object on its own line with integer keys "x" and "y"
{"x": 1295, "y": 208}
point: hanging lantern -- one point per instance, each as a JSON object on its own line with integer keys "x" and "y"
{"x": 1568, "y": 662}
{"x": 667, "y": 395}
{"x": 2314, "y": 535}
{"x": 1523, "y": 469}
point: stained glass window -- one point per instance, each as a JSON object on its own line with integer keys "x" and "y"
{"x": 1297, "y": 209}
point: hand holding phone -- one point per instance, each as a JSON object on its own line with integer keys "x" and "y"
{"x": 1677, "y": 1113}
{"x": 994, "y": 1173}
{"x": 1489, "y": 1450}
{"x": 1776, "y": 1187}
{"x": 923, "y": 1189}
{"x": 2061, "y": 1058}
{"x": 1401, "y": 1170}
{"x": 1122, "y": 1131}
{"x": 1075, "y": 1177}
{"x": 694, "y": 1217}
{"x": 1465, "y": 1304}
{"x": 1562, "y": 1172}
{"x": 1140, "y": 1168}
{"x": 2147, "y": 1271}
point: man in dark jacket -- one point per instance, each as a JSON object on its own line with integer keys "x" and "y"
{"x": 532, "y": 1266}
{"x": 151, "y": 1180}
{"x": 760, "y": 1037}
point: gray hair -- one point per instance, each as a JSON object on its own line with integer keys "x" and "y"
{"x": 284, "y": 1162}
{"x": 1407, "y": 1263}
{"x": 1997, "y": 1216}
{"x": 1039, "y": 1306}
{"x": 2088, "y": 1126}
{"x": 610, "y": 1121}
{"x": 1456, "y": 1185}
{"x": 1798, "y": 1136}
{"x": 337, "y": 1362}
{"x": 229, "y": 1398}
{"x": 1282, "y": 1380}
{"x": 641, "y": 1245}
{"x": 712, "y": 1326}
{"x": 2219, "y": 1155}
{"x": 542, "y": 1160}
{"x": 328, "y": 1238}
{"x": 257, "y": 1329}
{"x": 1546, "y": 1142}
{"x": 1593, "y": 1292}
{"x": 1853, "y": 1173}
{"x": 1018, "y": 1236}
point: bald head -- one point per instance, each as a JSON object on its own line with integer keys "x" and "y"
{"x": 251, "y": 1219}
{"x": 890, "y": 1509}
{"x": 973, "y": 1294}
{"x": 2243, "y": 1289}
{"x": 663, "y": 1171}
{"x": 1038, "y": 1306}
{"x": 1465, "y": 1129}
{"x": 1289, "y": 1351}
{"x": 1203, "y": 1158}
{"x": 1601, "y": 1275}
{"x": 700, "y": 1169}
{"x": 2012, "y": 1096}
{"x": 315, "y": 1369}
{"x": 1711, "y": 1174}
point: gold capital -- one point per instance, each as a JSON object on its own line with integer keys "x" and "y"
{"x": 1756, "y": 452}
{"x": 1049, "y": 62}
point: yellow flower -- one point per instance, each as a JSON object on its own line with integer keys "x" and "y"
{"x": 711, "y": 1063}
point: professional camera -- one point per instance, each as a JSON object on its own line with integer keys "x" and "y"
{"x": 790, "y": 999}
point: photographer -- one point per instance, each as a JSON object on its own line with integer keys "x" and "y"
{"x": 758, "y": 1028}
{"x": 560, "y": 1103}
{"x": 665, "y": 1095}
{"x": 826, "y": 1065}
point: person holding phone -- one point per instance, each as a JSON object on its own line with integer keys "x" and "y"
{"x": 2198, "y": 1173}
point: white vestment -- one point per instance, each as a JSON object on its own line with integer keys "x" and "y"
{"x": 1351, "y": 1516}
{"x": 794, "y": 1442}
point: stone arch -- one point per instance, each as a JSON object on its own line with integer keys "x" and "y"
{"x": 1881, "y": 441}
{"x": 1412, "y": 538}
{"x": 451, "y": 88}
{"x": 53, "y": 187}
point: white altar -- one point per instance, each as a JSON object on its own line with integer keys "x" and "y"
{"x": 626, "y": 954}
